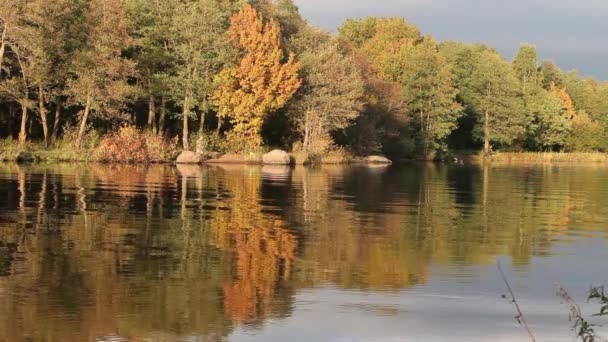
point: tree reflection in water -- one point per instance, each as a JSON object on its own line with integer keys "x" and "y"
{"x": 163, "y": 252}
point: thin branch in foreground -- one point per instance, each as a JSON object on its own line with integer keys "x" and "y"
{"x": 521, "y": 320}
{"x": 583, "y": 329}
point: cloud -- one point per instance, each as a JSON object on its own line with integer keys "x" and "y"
{"x": 568, "y": 32}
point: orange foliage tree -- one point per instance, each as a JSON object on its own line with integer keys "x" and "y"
{"x": 564, "y": 98}
{"x": 260, "y": 83}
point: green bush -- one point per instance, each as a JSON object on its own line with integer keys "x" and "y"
{"x": 90, "y": 140}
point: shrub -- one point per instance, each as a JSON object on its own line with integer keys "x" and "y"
{"x": 336, "y": 156}
{"x": 238, "y": 143}
{"x": 90, "y": 140}
{"x": 159, "y": 148}
{"x": 210, "y": 142}
{"x": 587, "y": 135}
{"x": 130, "y": 145}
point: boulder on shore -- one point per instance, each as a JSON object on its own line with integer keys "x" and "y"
{"x": 377, "y": 160}
{"x": 276, "y": 157}
{"x": 25, "y": 157}
{"x": 189, "y": 157}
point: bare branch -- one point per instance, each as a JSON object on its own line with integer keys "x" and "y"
{"x": 520, "y": 315}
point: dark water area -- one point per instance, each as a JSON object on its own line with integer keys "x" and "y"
{"x": 247, "y": 253}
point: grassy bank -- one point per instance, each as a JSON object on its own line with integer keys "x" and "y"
{"x": 47, "y": 155}
{"x": 546, "y": 157}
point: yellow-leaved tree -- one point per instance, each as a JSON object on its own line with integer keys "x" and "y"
{"x": 260, "y": 83}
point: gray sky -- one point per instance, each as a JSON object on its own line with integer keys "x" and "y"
{"x": 570, "y": 32}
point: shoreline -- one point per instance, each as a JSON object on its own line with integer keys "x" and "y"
{"x": 211, "y": 158}
{"x": 545, "y": 157}
{"x": 467, "y": 158}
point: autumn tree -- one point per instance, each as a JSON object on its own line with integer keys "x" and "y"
{"x": 402, "y": 56}
{"x": 384, "y": 116}
{"x": 100, "y": 71}
{"x": 262, "y": 81}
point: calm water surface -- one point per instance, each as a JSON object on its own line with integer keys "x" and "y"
{"x": 239, "y": 253}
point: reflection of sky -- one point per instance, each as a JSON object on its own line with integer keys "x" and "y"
{"x": 460, "y": 303}
{"x": 570, "y": 32}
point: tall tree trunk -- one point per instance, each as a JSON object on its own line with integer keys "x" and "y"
{"x": 306, "y": 132}
{"x": 30, "y": 126}
{"x": 56, "y": 121}
{"x": 22, "y": 131}
{"x": 3, "y": 44}
{"x": 83, "y": 121}
{"x": 43, "y": 118}
{"x": 201, "y": 128}
{"x": 163, "y": 113}
{"x": 486, "y": 132}
{"x": 220, "y": 122}
{"x": 185, "y": 132}
{"x": 11, "y": 119}
{"x": 425, "y": 145}
{"x": 151, "y": 113}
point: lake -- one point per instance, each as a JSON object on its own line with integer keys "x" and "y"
{"x": 334, "y": 253}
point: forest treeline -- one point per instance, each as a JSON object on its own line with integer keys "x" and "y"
{"x": 231, "y": 75}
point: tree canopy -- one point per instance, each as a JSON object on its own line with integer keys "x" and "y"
{"x": 243, "y": 75}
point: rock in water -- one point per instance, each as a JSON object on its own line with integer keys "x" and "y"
{"x": 276, "y": 157}
{"x": 377, "y": 160}
{"x": 189, "y": 157}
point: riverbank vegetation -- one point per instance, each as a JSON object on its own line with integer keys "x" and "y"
{"x": 244, "y": 76}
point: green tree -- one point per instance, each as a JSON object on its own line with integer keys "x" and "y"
{"x": 46, "y": 41}
{"x": 550, "y": 74}
{"x": 583, "y": 92}
{"x": 427, "y": 84}
{"x": 495, "y": 96}
{"x": 330, "y": 97}
{"x": 100, "y": 71}
{"x": 587, "y": 135}
{"x": 525, "y": 64}
{"x": 552, "y": 123}
{"x": 199, "y": 46}
{"x": 358, "y": 31}
{"x": 11, "y": 18}
{"x": 16, "y": 38}
{"x": 151, "y": 22}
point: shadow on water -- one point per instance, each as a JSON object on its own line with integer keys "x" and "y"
{"x": 167, "y": 252}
